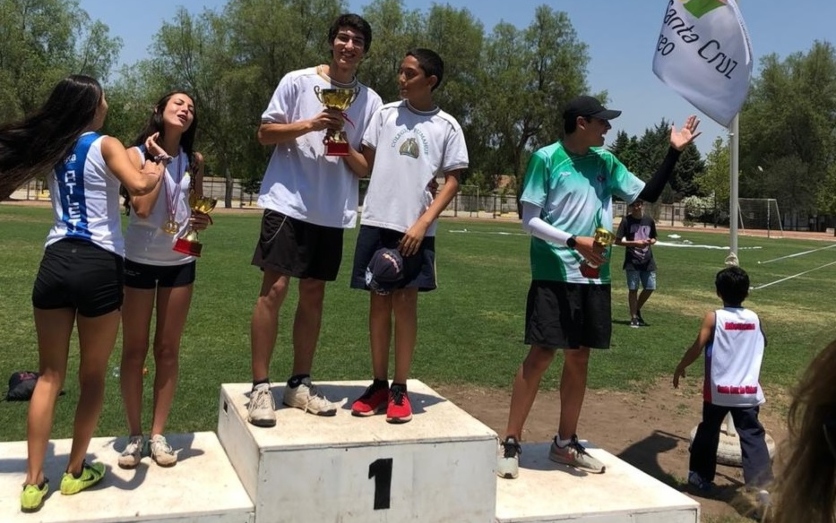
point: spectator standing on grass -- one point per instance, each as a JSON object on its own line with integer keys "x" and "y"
{"x": 734, "y": 345}
{"x": 637, "y": 233}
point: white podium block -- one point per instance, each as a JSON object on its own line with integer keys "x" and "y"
{"x": 440, "y": 467}
{"x": 547, "y": 492}
{"x": 201, "y": 488}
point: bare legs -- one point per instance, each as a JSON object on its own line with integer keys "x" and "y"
{"x": 97, "y": 336}
{"x": 527, "y": 383}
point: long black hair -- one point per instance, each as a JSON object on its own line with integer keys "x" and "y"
{"x": 36, "y": 143}
{"x": 155, "y": 125}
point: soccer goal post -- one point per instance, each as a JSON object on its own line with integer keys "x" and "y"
{"x": 761, "y": 213}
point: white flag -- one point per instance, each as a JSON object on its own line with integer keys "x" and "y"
{"x": 704, "y": 54}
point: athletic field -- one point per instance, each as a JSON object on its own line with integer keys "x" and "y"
{"x": 470, "y": 329}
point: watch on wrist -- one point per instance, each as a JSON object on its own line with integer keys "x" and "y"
{"x": 571, "y": 242}
{"x": 163, "y": 158}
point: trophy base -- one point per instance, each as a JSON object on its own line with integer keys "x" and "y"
{"x": 589, "y": 271}
{"x": 187, "y": 247}
{"x": 336, "y": 149}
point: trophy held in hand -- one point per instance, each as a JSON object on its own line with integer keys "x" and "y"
{"x": 604, "y": 238}
{"x": 189, "y": 243}
{"x": 336, "y": 142}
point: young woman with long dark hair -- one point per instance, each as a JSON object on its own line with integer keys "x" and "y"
{"x": 158, "y": 276}
{"x": 79, "y": 282}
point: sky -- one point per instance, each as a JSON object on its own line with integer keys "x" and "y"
{"x": 621, "y": 35}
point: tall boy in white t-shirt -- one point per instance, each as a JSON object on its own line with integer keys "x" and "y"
{"x": 407, "y": 144}
{"x": 734, "y": 345}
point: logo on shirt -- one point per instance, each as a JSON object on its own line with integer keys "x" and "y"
{"x": 734, "y": 326}
{"x": 409, "y": 148}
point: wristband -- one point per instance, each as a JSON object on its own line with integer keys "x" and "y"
{"x": 163, "y": 158}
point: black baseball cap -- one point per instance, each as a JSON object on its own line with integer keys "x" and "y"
{"x": 588, "y": 107}
{"x": 384, "y": 271}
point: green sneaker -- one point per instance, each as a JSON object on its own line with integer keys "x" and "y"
{"x": 32, "y": 497}
{"x": 91, "y": 473}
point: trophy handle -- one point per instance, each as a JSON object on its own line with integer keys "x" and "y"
{"x": 354, "y": 95}
{"x": 318, "y": 92}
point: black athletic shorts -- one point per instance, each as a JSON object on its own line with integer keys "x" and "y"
{"x": 561, "y": 315}
{"x": 145, "y": 276}
{"x": 299, "y": 249}
{"x": 418, "y": 269}
{"x": 78, "y": 274}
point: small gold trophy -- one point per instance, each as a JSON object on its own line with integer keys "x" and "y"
{"x": 189, "y": 244}
{"x": 604, "y": 238}
{"x": 336, "y": 142}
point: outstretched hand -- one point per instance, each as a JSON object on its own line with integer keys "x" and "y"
{"x": 681, "y": 138}
{"x": 151, "y": 145}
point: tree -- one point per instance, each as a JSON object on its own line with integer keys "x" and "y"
{"x": 787, "y": 128}
{"x": 715, "y": 178}
{"x": 526, "y": 77}
{"x": 44, "y": 41}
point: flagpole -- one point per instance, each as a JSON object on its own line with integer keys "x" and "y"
{"x": 734, "y": 146}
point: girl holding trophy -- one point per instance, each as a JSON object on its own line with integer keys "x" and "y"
{"x": 79, "y": 282}
{"x": 158, "y": 276}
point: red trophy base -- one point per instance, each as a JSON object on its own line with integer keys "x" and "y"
{"x": 588, "y": 271}
{"x": 336, "y": 149}
{"x": 187, "y": 247}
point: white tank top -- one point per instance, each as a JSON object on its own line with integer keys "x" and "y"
{"x": 85, "y": 198}
{"x": 733, "y": 359}
{"x": 145, "y": 240}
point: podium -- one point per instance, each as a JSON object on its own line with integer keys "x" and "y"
{"x": 547, "y": 492}
{"x": 439, "y": 467}
{"x": 201, "y": 488}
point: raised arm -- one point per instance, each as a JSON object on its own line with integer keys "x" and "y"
{"x": 137, "y": 181}
{"x": 679, "y": 141}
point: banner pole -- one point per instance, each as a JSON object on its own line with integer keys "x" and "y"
{"x": 734, "y": 151}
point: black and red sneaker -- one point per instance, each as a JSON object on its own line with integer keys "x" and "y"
{"x": 373, "y": 401}
{"x": 399, "y": 409}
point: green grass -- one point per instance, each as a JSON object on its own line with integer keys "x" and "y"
{"x": 471, "y": 329}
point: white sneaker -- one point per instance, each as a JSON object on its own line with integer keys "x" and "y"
{"x": 308, "y": 398}
{"x": 575, "y": 455}
{"x": 161, "y": 451}
{"x": 132, "y": 455}
{"x": 261, "y": 410}
{"x": 508, "y": 461}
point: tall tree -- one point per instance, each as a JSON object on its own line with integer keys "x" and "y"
{"x": 787, "y": 124}
{"x": 526, "y": 77}
{"x": 43, "y": 41}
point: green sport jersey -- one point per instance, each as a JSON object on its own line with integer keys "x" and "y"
{"x": 575, "y": 195}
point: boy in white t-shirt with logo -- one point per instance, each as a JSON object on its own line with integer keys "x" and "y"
{"x": 407, "y": 144}
{"x": 734, "y": 345}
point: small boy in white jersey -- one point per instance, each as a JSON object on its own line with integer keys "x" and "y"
{"x": 406, "y": 144}
{"x": 734, "y": 345}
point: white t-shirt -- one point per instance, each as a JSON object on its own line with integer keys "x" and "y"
{"x": 145, "y": 240}
{"x": 300, "y": 181}
{"x": 733, "y": 359}
{"x": 411, "y": 148}
{"x": 85, "y": 198}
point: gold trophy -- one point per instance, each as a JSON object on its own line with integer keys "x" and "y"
{"x": 189, "y": 244}
{"x": 336, "y": 142}
{"x": 604, "y": 238}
